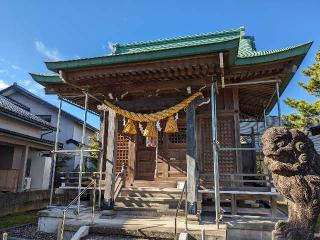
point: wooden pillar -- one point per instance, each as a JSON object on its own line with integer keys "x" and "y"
{"x": 132, "y": 159}
{"x": 24, "y": 169}
{"x": 102, "y": 153}
{"x": 192, "y": 179}
{"x": 235, "y": 93}
{"x": 234, "y": 206}
{"x": 103, "y": 139}
{"x": 273, "y": 206}
{"x": 111, "y": 155}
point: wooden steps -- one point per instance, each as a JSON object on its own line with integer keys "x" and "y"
{"x": 156, "y": 184}
{"x": 148, "y": 201}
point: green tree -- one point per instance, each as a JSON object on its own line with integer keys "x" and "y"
{"x": 94, "y": 144}
{"x": 308, "y": 114}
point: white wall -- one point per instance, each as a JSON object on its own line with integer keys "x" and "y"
{"x": 46, "y": 172}
{"x": 77, "y": 135}
{"x": 40, "y": 170}
{"x": 11, "y": 124}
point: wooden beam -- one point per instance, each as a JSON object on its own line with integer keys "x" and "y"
{"x": 148, "y": 103}
{"x": 25, "y": 155}
{"x": 111, "y": 158}
{"x": 145, "y": 85}
{"x": 210, "y": 59}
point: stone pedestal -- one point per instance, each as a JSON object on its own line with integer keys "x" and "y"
{"x": 49, "y": 220}
{"x": 107, "y": 214}
{"x": 277, "y": 236}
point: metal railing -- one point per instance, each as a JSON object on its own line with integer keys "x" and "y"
{"x": 5, "y": 236}
{"x": 184, "y": 189}
{"x": 92, "y": 183}
{"x": 120, "y": 181}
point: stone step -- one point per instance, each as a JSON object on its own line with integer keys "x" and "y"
{"x": 160, "y": 227}
{"x": 112, "y": 237}
{"x": 217, "y": 235}
{"x": 165, "y": 203}
{"x": 147, "y": 211}
{"x": 160, "y": 184}
{"x": 130, "y": 235}
{"x": 171, "y": 193}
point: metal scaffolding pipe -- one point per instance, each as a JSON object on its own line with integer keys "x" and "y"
{"x": 101, "y": 155}
{"x": 84, "y": 126}
{"x": 264, "y": 119}
{"x": 215, "y": 151}
{"x": 75, "y": 151}
{"x": 74, "y": 154}
{"x": 56, "y": 145}
{"x": 278, "y": 104}
{"x": 239, "y": 149}
{"x": 251, "y": 83}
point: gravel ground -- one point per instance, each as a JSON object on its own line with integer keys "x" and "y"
{"x": 29, "y": 231}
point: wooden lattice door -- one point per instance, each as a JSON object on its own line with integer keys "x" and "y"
{"x": 122, "y": 152}
{"x": 226, "y": 137}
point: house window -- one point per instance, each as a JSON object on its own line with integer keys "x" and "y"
{"x": 45, "y": 117}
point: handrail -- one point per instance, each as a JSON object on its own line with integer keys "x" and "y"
{"x": 92, "y": 173}
{"x": 119, "y": 182}
{"x": 64, "y": 211}
{"x": 184, "y": 189}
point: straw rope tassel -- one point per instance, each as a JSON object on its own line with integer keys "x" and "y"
{"x": 129, "y": 128}
{"x": 150, "y": 130}
{"x": 171, "y": 126}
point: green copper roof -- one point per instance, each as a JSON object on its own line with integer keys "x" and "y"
{"x": 241, "y": 48}
{"x": 178, "y": 42}
{"x": 247, "y": 53}
{"x": 46, "y": 78}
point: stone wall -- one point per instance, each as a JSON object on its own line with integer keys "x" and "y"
{"x": 23, "y": 201}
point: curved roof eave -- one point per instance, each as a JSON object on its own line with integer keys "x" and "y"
{"x": 146, "y": 56}
{"x": 274, "y": 55}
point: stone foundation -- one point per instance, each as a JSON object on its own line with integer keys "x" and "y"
{"x": 23, "y": 201}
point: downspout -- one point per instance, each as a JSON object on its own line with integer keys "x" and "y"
{"x": 43, "y": 134}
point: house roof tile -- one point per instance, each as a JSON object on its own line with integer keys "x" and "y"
{"x": 9, "y": 107}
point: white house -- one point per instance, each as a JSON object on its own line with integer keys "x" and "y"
{"x": 25, "y": 163}
{"x": 70, "y": 126}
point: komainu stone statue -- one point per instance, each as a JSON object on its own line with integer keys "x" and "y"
{"x": 295, "y": 167}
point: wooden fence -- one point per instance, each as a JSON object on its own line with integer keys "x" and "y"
{"x": 9, "y": 180}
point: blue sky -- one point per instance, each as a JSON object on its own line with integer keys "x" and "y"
{"x": 35, "y": 31}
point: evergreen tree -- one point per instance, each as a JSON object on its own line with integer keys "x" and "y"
{"x": 94, "y": 144}
{"x": 308, "y": 113}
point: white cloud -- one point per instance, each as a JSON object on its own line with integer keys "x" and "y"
{"x": 25, "y": 82}
{"x": 3, "y": 84}
{"x": 7, "y": 73}
{"x": 36, "y": 89}
{"x": 52, "y": 54}
{"x": 110, "y": 46}
{"x": 15, "y": 67}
